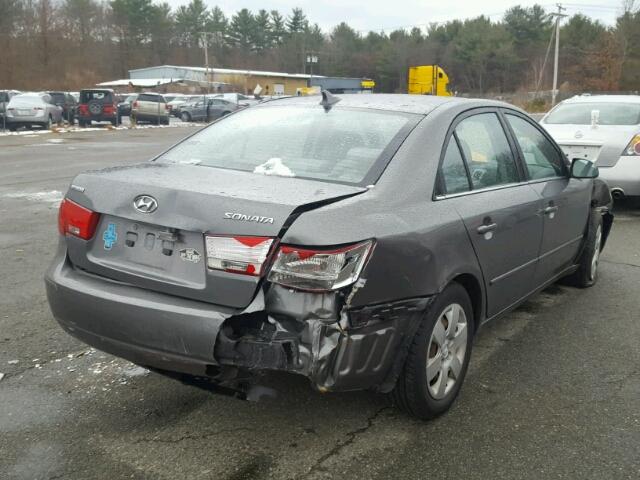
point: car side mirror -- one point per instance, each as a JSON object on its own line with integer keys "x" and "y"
{"x": 583, "y": 168}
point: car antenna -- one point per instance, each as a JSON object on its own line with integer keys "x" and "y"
{"x": 328, "y": 100}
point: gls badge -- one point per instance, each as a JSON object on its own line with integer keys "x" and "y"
{"x": 145, "y": 204}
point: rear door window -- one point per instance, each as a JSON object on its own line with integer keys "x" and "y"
{"x": 540, "y": 156}
{"x": 486, "y": 149}
{"x": 453, "y": 171}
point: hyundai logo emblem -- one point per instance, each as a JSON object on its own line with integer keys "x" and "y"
{"x": 145, "y": 204}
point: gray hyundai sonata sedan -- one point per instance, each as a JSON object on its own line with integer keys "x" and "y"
{"x": 358, "y": 240}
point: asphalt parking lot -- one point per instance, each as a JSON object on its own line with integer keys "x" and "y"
{"x": 553, "y": 389}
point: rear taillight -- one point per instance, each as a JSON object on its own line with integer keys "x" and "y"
{"x": 166, "y": 107}
{"x": 135, "y": 104}
{"x": 319, "y": 269}
{"x": 76, "y": 220}
{"x": 634, "y": 146}
{"x": 246, "y": 255}
{"x": 83, "y": 109}
{"x": 109, "y": 108}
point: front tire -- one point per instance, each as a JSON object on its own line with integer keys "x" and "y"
{"x": 438, "y": 356}
{"x": 587, "y": 273}
{"x": 185, "y": 117}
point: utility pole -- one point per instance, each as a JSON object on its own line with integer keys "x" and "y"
{"x": 205, "y": 42}
{"x": 558, "y": 15}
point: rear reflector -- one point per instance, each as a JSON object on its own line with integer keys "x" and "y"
{"x": 74, "y": 219}
{"x": 246, "y": 255}
{"x": 321, "y": 269}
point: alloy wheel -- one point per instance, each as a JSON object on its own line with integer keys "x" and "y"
{"x": 446, "y": 351}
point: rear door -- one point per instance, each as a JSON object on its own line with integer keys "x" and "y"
{"x": 484, "y": 182}
{"x": 564, "y": 201}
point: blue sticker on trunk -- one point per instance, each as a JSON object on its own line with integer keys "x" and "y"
{"x": 110, "y": 236}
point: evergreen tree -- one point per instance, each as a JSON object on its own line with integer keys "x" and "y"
{"x": 297, "y": 22}
{"x": 241, "y": 30}
{"x": 278, "y": 29}
{"x": 261, "y": 34}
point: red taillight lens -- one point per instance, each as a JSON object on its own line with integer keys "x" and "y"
{"x": 108, "y": 108}
{"x": 634, "y": 146}
{"x": 319, "y": 269}
{"x": 74, "y": 219}
{"x": 246, "y": 255}
{"x": 83, "y": 109}
{"x": 135, "y": 104}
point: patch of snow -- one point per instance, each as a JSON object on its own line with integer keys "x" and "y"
{"x": 105, "y": 128}
{"x": 136, "y": 372}
{"x": 12, "y": 362}
{"x": 274, "y": 166}
{"x": 53, "y": 196}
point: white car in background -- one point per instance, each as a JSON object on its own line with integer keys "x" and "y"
{"x": 606, "y": 130}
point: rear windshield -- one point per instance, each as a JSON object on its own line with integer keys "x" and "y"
{"x": 343, "y": 145}
{"x": 147, "y": 97}
{"x": 4, "y": 97}
{"x": 87, "y": 95}
{"x": 602, "y": 113}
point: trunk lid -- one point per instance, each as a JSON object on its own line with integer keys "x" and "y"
{"x": 602, "y": 144}
{"x": 164, "y": 250}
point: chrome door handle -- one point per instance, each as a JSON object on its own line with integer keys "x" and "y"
{"x": 550, "y": 209}
{"x": 486, "y": 228}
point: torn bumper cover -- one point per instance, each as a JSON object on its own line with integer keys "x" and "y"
{"x": 304, "y": 333}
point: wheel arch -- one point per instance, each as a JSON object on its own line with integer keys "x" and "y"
{"x": 476, "y": 294}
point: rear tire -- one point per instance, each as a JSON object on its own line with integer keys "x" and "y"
{"x": 438, "y": 356}
{"x": 587, "y": 273}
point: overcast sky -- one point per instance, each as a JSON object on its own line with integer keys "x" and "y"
{"x": 389, "y": 14}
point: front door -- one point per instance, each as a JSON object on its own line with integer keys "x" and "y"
{"x": 564, "y": 201}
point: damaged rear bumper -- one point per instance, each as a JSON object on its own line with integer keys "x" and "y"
{"x": 304, "y": 333}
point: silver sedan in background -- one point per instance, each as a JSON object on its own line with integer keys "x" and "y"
{"x": 606, "y": 130}
{"x": 29, "y": 109}
{"x": 214, "y": 108}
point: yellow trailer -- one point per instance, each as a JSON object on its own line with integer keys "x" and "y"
{"x": 428, "y": 80}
